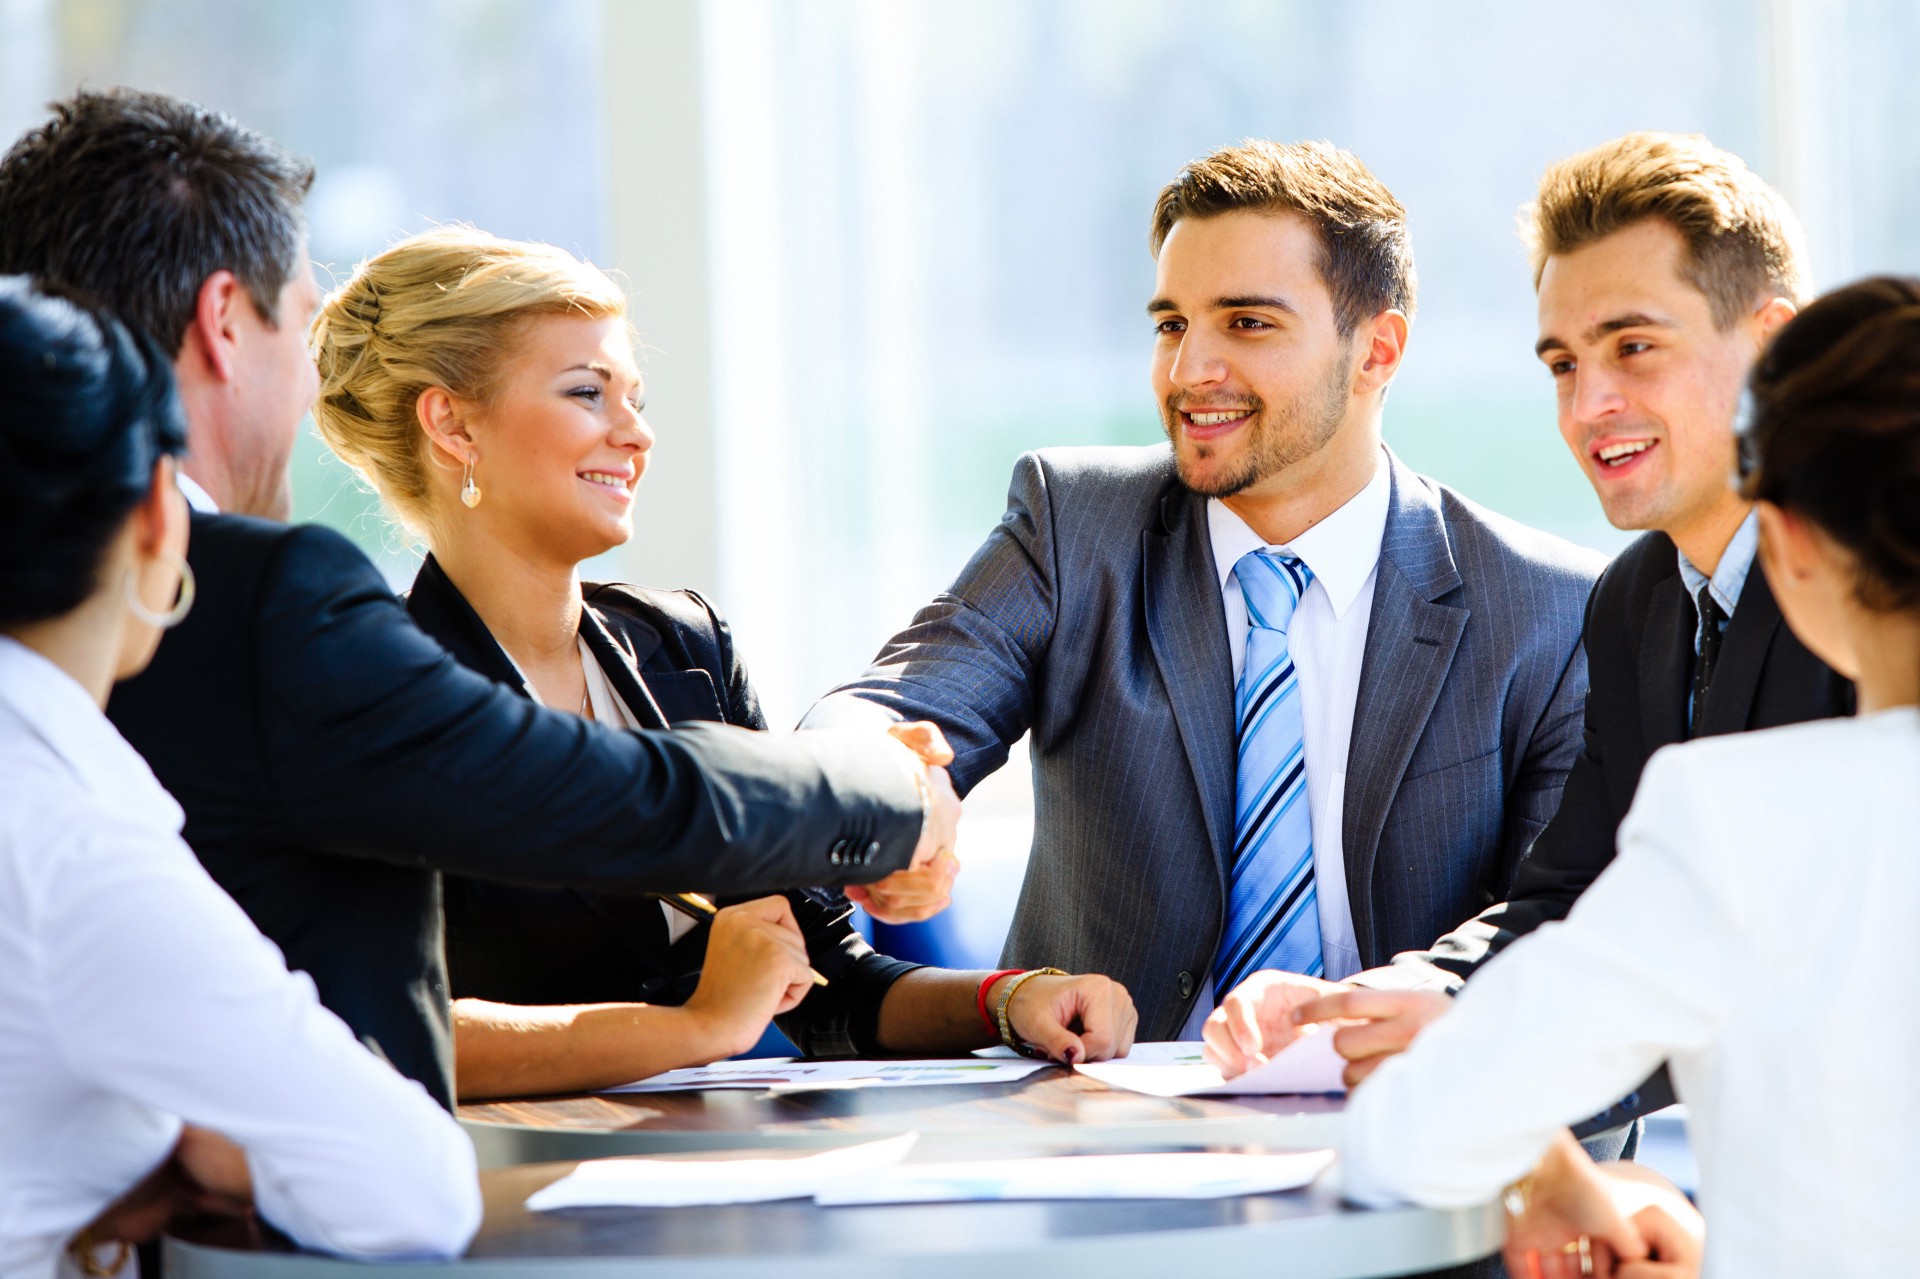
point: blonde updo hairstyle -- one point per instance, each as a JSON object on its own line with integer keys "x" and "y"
{"x": 438, "y": 309}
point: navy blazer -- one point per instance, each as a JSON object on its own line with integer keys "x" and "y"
{"x": 1092, "y": 619}
{"x": 333, "y": 760}
{"x": 671, "y": 659}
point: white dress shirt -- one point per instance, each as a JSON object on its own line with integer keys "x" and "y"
{"x": 1756, "y": 930}
{"x": 134, "y": 994}
{"x": 1327, "y": 640}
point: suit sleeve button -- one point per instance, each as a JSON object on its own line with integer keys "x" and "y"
{"x": 872, "y": 851}
{"x": 1186, "y": 985}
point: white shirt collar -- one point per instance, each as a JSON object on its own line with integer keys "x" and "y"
{"x": 198, "y": 498}
{"x": 51, "y": 705}
{"x": 1341, "y": 549}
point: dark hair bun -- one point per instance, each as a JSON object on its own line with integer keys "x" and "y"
{"x": 87, "y": 408}
{"x": 1836, "y": 429}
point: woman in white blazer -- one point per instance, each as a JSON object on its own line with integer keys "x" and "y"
{"x": 154, "y": 1050}
{"x": 1755, "y": 930}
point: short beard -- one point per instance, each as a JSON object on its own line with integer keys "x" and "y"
{"x": 1274, "y": 443}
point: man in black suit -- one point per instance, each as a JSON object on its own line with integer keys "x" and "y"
{"x": 1663, "y": 265}
{"x": 331, "y": 759}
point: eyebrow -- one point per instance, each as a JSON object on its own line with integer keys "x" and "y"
{"x": 1631, "y": 320}
{"x": 605, "y": 370}
{"x": 1237, "y": 302}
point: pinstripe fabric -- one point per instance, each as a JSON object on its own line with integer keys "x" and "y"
{"x": 1091, "y": 620}
{"x": 1273, "y": 915}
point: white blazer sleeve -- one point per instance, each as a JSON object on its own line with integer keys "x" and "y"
{"x": 1566, "y": 1021}
{"x": 163, "y": 991}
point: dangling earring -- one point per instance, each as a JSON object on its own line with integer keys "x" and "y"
{"x": 469, "y": 491}
{"x": 181, "y": 607}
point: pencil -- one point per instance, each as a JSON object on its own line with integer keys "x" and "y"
{"x": 694, "y": 906}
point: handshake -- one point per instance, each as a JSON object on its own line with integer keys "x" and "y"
{"x": 925, "y": 888}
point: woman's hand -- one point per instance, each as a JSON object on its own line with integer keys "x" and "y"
{"x": 756, "y": 968}
{"x": 1604, "y": 1219}
{"x": 1072, "y": 1019}
{"x": 205, "y": 1175}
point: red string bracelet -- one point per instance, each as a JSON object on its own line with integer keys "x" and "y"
{"x": 980, "y": 1000}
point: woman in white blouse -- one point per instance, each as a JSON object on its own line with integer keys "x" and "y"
{"x": 154, "y": 1050}
{"x": 1756, "y": 927}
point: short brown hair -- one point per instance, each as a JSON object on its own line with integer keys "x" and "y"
{"x": 133, "y": 199}
{"x": 1743, "y": 243}
{"x": 1366, "y": 255}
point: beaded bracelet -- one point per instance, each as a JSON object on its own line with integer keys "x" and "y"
{"x": 980, "y": 998}
{"x": 1007, "y": 1036}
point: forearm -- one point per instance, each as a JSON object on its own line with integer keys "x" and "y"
{"x": 933, "y": 1010}
{"x": 510, "y": 1050}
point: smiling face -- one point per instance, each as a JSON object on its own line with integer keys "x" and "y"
{"x": 561, "y": 443}
{"x": 1253, "y": 378}
{"x": 1647, "y": 386}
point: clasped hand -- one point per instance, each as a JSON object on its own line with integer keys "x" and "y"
{"x": 1266, "y": 1012}
{"x": 925, "y": 888}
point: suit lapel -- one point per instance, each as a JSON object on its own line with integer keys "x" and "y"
{"x": 1666, "y": 664}
{"x": 1743, "y": 652}
{"x": 1186, "y": 626}
{"x": 618, "y": 661}
{"x": 1411, "y": 641}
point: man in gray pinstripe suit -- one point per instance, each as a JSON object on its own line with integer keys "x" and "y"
{"x": 1440, "y": 674}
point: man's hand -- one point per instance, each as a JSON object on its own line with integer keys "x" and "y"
{"x": 925, "y": 888}
{"x": 755, "y": 969}
{"x": 1072, "y": 1019}
{"x": 1387, "y": 1022}
{"x": 1255, "y": 1020}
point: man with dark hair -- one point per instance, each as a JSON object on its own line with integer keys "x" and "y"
{"x": 331, "y": 759}
{"x": 1291, "y": 704}
{"x": 1663, "y": 266}
{"x": 167, "y": 188}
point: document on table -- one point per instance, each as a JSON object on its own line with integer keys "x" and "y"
{"x": 1179, "y": 1175}
{"x": 784, "y": 1074}
{"x": 873, "y": 1173}
{"x": 679, "y": 1183}
{"x": 1307, "y": 1065}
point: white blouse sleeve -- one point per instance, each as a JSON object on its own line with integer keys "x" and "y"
{"x": 161, "y": 990}
{"x": 1566, "y": 1021}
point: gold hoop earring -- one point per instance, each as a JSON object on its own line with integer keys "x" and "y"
{"x": 181, "y": 607}
{"x": 469, "y": 491}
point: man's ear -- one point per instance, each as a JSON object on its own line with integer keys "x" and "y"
{"x": 214, "y": 330}
{"x": 1383, "y": 344}
{"x": 1773, "y": 317}
{"x": 439, "y": 416}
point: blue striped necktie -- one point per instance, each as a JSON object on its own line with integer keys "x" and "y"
{"x": 1273, "y": 913}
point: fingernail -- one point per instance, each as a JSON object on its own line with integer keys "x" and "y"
{"x": 1070, "y": 1056}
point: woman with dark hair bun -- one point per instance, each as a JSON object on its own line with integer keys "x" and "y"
{"x": 1755, "y": 930}
{"x": 154, "y": 1051}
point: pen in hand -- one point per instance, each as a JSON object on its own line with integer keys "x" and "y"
{"x": 694, "y": 906}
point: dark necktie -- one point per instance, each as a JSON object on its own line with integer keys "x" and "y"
{"x": 1713, "y": 623}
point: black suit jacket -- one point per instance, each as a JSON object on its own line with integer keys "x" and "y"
{"x": 333, "y": 760}
{"x": 671, "y": 659}
{"x": 1639, "y": 637}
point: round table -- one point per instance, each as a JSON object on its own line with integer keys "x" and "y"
{"x": 1305, "y": 1234}
{"x": 1052, "y": 1110}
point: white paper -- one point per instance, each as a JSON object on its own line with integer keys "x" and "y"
{"x": 1149, "y": 1176}
{"x": 783, "y": 1074}
{"x": 1309, "y": 1064}
{"x": 677, "y": 1183}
